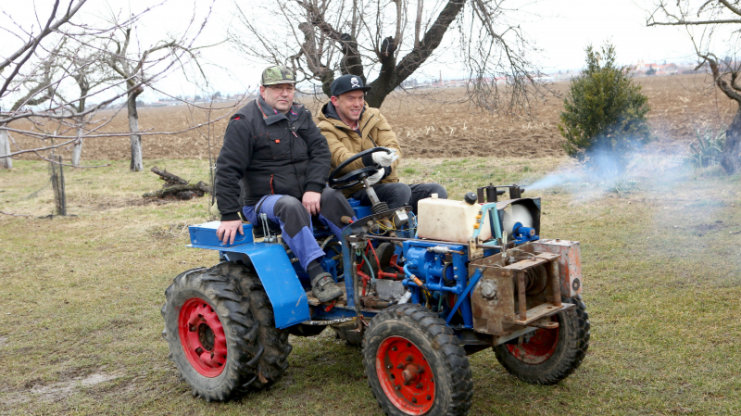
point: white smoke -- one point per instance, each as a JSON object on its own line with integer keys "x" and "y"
{"x": 605, "y": 172}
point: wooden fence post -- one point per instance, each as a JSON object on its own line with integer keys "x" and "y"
{"x": 57, "y": 183}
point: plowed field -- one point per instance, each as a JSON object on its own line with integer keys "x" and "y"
{"x": 435, "y": 123}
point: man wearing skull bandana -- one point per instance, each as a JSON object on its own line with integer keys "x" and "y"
{"x": 350, "y": 127}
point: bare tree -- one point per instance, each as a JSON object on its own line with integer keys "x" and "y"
{"x": 83, "y": 66}
{"x": 103, "y": 64}
{"x": 139, "y": 67}
{"x": 38, "y": 85}
{"x": 704, "y": 21}
{"x": 390, "y": 40}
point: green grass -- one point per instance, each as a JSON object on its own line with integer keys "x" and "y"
{"x": 82, "y": 294}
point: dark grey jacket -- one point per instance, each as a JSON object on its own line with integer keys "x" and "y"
{"x": 270, "y": 153}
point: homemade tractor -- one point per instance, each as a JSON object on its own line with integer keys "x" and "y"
{"x": 421, "y": 293}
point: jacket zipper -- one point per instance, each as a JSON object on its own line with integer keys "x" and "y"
{"x": 292, "y": 129}
{"x": 366, "y": 123}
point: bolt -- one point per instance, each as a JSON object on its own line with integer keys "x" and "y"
{"x": 489, "y": 290}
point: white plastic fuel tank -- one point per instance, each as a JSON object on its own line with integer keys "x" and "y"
{"x": 449, "y": 220}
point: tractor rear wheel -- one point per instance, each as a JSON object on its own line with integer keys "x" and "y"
{"x": 415, "y": 364}
{"x": 220, "y": 330}
{"x": 547, "y": 356}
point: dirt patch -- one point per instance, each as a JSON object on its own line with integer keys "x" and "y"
{"x": 37, "y": 391}
{"x": 440, "y": 123}
{"x": 702, "y": 229}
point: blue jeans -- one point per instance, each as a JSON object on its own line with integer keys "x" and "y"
{"x": 295, "y": 221}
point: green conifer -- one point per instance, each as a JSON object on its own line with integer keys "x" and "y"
{"x": 604, "y": 110}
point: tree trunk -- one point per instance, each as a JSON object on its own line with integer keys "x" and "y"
{"x": 731, "y": 160}
{"x": 5, "y": 162}
{"x": 392, "y": 78}
{"x": 135, "y": 138}
{"x": 77, "y": 150}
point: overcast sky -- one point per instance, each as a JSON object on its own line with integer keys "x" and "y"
{"x": 568, "y": 26}
{"x": 561, "y": 28}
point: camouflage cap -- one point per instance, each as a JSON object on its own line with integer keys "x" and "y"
{"x": 277, "y": 75}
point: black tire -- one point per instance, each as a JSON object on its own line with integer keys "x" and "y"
{"x": 408, "y": 342}
{"x": 274, "y": 342}
{"x": 220, "y": 331}
{"x": 547, "y": 356}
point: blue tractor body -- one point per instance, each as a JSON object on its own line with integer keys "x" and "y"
{"x": 433, "y": 271}
{"x": 420, "y": 293}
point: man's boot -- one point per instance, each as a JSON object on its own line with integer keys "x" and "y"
{"x": 323, "y": 287}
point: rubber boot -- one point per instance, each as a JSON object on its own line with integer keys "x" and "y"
{"x": 323, "y": 287}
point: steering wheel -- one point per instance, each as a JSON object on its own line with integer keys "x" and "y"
{"x": 356, "y": 176}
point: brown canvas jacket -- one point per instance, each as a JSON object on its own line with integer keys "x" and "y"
{"x": 345, "y": 142}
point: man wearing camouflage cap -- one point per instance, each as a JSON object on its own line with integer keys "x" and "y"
{"x": 274, "y": 152}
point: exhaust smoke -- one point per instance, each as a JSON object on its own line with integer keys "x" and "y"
{"x": 612, "y": 171}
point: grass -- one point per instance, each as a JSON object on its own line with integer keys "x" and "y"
{"x": 82, "y": 294}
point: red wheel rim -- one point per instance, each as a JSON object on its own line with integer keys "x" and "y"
{"x": 405, "y": 375}
{"x": 202, "y": 337}
{"x": 537, "y": 348}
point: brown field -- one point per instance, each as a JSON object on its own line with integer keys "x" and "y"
{"x": 436, "y": 123}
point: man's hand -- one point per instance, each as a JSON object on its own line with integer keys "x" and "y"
{"x": 384, "y": 159}
{"x": 228, "y": 230}
{"x": 310, "y": 201}
{"x": 373, "y": 179}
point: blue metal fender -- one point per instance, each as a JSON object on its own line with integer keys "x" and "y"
{"x": 273, "y": 267}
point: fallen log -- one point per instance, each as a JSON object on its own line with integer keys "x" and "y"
{"x": 169, "y": 178}
{"x": 176, "y": 187}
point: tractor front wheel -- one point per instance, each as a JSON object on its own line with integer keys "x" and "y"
{"x": 415, "y": 364}
{"x": 547, "y": 356}
{"x": 220, "y": 331}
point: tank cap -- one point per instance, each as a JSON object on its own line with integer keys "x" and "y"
{"x": 470, "y": 198}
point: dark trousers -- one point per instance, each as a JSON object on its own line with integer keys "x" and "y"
{"x": 295, "y": 221}
{"x": 397, "y": 194}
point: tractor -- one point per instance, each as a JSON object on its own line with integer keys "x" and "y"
{"x": 421, "y": 293}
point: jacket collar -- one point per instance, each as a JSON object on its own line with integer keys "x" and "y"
{"x": 272, "y": 116}
{"x": 330, "y": 112}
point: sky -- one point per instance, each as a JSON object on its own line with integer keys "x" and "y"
{"x": 564, "y": 28}
{"x": 560, "y": 28}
